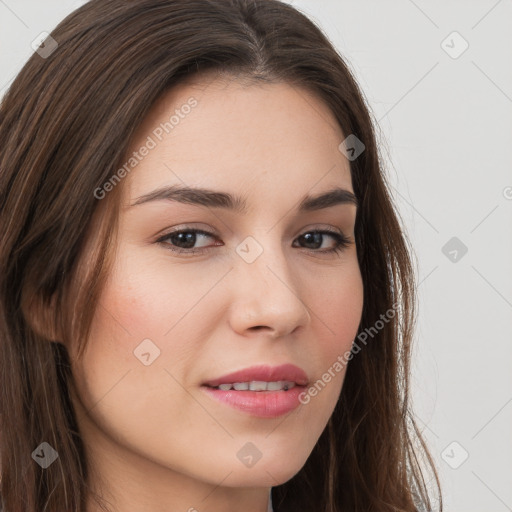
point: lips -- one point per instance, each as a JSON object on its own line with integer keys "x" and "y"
{"x": 284, "y": 373}
{"x": 260, "y": 391}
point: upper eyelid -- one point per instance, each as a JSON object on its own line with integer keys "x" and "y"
{"x": 206, "y": 232}
{"x": 206, "y": 229}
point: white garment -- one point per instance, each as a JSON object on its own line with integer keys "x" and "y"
{"x": 270, "y": 509}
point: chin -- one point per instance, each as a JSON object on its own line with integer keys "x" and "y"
{"x": 275, "y": 470}
{"x": 268, "y": 477}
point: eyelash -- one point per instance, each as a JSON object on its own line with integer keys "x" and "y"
{"x": 342, "y": 241}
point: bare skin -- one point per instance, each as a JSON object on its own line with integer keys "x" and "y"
{"x": 156, "y": 441}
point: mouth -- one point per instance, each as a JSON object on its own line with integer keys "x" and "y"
{"x": 256, "y": 385}
{"x": 261, "y": 378}
{"x": 261, "y": 391}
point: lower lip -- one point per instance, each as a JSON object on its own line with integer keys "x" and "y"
{"x": 264, "y": 404}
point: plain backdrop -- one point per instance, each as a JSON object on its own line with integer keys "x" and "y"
{"x": 437, "y": 77}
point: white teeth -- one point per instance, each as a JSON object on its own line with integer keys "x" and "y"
{"x": 258, "y": 385}
{"x": 274, "y": 386}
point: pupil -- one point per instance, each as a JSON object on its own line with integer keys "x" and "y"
{"x": 191, "y": 239}
{"x": 315, "y": 236}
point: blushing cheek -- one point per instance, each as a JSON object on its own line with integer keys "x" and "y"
{"x": 151, "y": 304}
{"x": 148, "y": 296}
{"x": 336, "y": 312}
{"x": 139, "y": 302}
{"x": 340, "y": 309}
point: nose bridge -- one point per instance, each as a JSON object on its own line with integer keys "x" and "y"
{"x": 267, "y": 290}
{"x": 261, "y": 254}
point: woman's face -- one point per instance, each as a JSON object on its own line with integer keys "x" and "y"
{"x": 261, "y": 290}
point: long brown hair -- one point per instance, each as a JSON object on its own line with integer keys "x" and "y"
{"x": 66, "y": 123}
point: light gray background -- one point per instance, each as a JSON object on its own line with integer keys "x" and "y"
{"x": 446, "y": 133}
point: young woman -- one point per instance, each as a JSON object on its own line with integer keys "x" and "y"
{"x": 206, "y": 297}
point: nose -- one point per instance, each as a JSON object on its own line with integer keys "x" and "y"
{"x": 267, "y": 296}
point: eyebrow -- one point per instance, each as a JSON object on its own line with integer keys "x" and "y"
{"x": 225, "y": 200}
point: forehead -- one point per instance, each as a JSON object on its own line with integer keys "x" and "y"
{"x": 232, "y": 135}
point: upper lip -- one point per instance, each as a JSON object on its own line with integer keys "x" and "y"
{"x": 266, "y": 373}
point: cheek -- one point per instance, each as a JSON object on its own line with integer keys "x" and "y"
{"x": 336, "y": 308}
{"x": 130, "y": 401}
{"x": 146, "y": 307}
{"x": 336, "y": 311}
{"x": 151, "y": 299}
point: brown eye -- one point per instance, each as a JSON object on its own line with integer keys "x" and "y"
{"x": 183, "y": 240}
{"x": 316, "y": 237}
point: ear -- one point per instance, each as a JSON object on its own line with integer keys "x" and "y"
{"x": 40, "y": 315}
